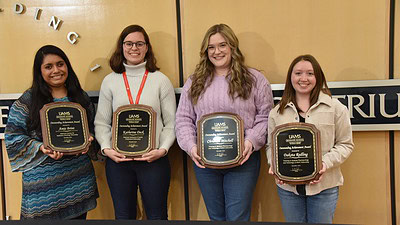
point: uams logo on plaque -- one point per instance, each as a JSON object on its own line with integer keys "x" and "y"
{"x": 373, "y": 104}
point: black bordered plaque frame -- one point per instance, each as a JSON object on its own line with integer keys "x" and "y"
{"x": 296, "y": 152}
{"x": 134, "y": 129}
{"x": 220, "y": 140}
{"x": 64, "y": 127}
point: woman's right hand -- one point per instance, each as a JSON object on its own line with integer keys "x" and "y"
{"x": 53, "y": 154}
{"x": 195, "y": 157}
{"x": 116, "y": 156}
{"x": 278, "y": 181}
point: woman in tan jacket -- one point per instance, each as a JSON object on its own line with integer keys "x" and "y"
{"x": 307, "y": 99}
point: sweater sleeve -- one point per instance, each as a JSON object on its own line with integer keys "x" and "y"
{"x": 343, "y": 138}
{"x": 103, "y": 119}
{"x": 186, "y": 131}
{"x": 271, "y": 128}
{"x": 264, "y": 103}
{"x": 168, "y": 110}
{"x": 23, "y": 150}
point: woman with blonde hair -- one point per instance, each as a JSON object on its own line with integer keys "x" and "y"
{"x": 223, "y": 83}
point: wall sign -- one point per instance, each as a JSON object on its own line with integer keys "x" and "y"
{"x": 374, "y": 105}
{"x": 54, "y": 23}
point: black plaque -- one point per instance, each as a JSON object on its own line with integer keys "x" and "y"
{"x": 296, "y": 152}
{"x": 64, "y": 127}
{"x": 134, "y": 130}
{"x": 220, "y": 140}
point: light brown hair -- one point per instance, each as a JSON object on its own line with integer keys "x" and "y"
{"x": 240, "y": 79}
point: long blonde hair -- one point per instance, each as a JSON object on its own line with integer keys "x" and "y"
{"x": 240, "y": 79}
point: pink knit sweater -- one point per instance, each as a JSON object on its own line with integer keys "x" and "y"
{"x": 254, "y": 111}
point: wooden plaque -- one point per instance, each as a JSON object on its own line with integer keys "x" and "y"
{"x": 220, "y": 140}
{"x": 134, "y": 129}
{"x": 296, "y": 152}
{"x": 64, "y": 127}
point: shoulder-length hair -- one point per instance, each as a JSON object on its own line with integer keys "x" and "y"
{"x": 41, "y": 91}
{"x": 117, "y": 59}
{"x": 240, "y": 79}
{"x": 289, "y": 94}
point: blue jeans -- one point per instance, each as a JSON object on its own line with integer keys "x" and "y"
{"x": 318, "y": 208}
{"x": 228, "y": 193}
{"x": 153, "y": 180}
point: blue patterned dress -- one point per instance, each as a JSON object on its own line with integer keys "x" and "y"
{"x": 52, "y": 189}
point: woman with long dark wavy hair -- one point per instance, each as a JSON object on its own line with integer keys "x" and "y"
{"x": 134, "y": 72}
{"x": 307, "y": 99}
{"x": 55, "y": 186}
{"x": 222, "y": 82}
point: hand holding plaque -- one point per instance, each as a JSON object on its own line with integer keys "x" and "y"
{"x": 64, "y": 127}
{"x": 296, "y": 153}
{"x": 220, "y": 140}
{"x": 134, "y": 129}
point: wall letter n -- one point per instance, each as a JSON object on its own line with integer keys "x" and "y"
{"x": 54, "y": 22}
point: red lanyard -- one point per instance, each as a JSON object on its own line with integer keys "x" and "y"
{"x": 128, "y": 90}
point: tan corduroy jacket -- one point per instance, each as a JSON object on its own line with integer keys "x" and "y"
{"x": 332, "y": 119}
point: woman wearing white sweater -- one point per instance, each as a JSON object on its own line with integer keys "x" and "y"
{"x": 134, "y": 59}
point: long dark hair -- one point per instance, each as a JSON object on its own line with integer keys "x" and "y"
{"x": 41, "y": 92}
{"x": 289, "y": 94}
{"x": 117, "y": 59}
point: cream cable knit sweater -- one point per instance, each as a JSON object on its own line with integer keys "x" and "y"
{"x": 158, "y": 93}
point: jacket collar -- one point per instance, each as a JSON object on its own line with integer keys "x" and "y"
{"x": 322, "y": 99}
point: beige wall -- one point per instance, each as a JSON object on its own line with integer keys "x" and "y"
{"x": 349, "y": 38}
{"x": 98, "y": 24}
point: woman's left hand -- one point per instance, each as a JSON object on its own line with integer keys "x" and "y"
{"x": 319, "y": 177}
{"x": 152, "y": 155}
{"x": 87, "y": 149}
{"x": 248, "y": 149}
